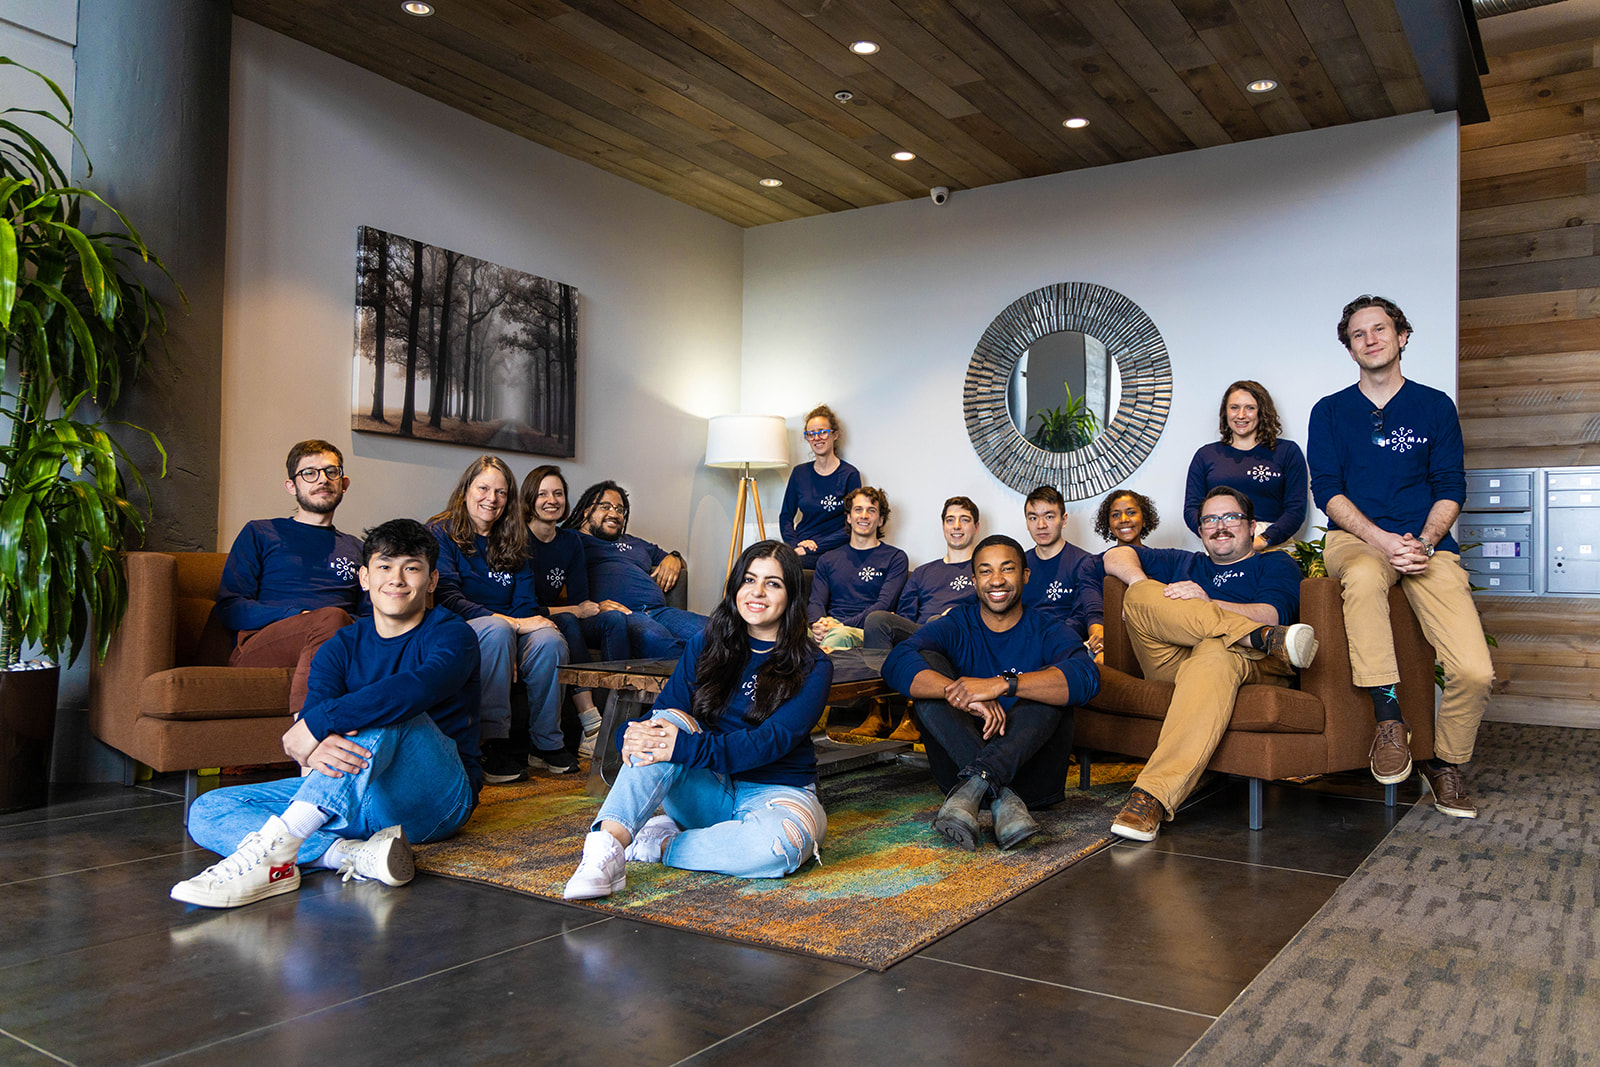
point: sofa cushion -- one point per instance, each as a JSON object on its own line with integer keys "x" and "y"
{"x": 217, "y": 693}
{"x": 1257, "y": 709}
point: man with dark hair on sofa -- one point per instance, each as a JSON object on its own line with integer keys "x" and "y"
{"x": 993, "y": 684}
{"x": 290, "y": 584}
{"x": 388, "y": 737}
{"x": 1064, "y": 581}
{"x": 631, "y": 575}
{"x": 1386, "y": 464}
{"x": 1209, "y": 623}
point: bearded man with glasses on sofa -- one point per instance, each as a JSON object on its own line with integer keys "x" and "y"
{"x": 290, "y": 584}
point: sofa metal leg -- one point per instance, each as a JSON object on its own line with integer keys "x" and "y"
{"x": 1083, "y": 768}
{"x": 1390, "y": 794}
{"x": 1255, "y": 803}
{"x": 191, "y": 790}
{"x": 130, "y": 772}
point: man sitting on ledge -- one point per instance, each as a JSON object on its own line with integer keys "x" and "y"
{"x": 993, "y": 684}
{"x": 1209, "y": 623}
{"x": 389, "y": 736}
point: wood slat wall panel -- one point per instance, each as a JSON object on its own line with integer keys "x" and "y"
{"x": 1566, "y": 243}
{"x": 1557, "y": 371}
{"x": 1547, "y": 681}
{"x": 1549, "y": 431}
{"x": 1531, "y": 155}
{"x": 1528, "y": 308}
{"x": 1532, "y": 456}
{"x": 1530, "y": 278}
{"x": 1531, "y": 216}
{"x": 1565, "y": 58}
{"x": 1579, "y": 335}
{"x": 1557, "y": 182}
{"x": 1493, "y": 401}
{"x": 1572, "y": 88}
{"x": 1525, "y": 126}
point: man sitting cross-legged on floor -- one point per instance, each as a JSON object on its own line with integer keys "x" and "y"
{"x": 1209, "y": 623}
{"x": 993, "y": 684}
{"x": 389, "y": 736}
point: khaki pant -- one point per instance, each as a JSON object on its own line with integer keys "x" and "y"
{"x": 1442, "y": 600}
{"x": 1191, "y": 643}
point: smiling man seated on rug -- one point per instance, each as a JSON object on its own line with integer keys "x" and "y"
{"x": 992, "y": 685}
{"x": 388, "y": 736}
{"x": 727, "y": 750}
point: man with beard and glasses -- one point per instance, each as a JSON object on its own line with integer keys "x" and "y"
{"x": 992, "y": 685}
{"x": 1209, "y": 623}
{"x": 290, "y": 584}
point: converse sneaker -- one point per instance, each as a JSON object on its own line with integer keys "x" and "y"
{"x": 590, "y": 721}
{"x": 602, "y": 871}
{"x": 650, "y": 843}
{"x": 384, "y": 857}
{"x": 262, "y": 866}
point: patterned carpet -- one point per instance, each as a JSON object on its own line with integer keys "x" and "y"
{"x": 1457, "y": 941}
{"x": 887, "y": 885}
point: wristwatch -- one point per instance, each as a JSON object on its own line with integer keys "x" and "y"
{"x": 1427, "y": 546}
{"x": 1010, "y": 678}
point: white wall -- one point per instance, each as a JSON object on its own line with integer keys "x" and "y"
{"x": 319, "y": 147}
{"x": 1242, "y": 256}
{"x": 40, "y": 34}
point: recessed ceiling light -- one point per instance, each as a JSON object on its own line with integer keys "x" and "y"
{"x": 771, "y": 183}
{"x": 1075, "y": 123}
{"x": 904, "y": 157}
{"x": 1264, "y": 85}
{"x": 416, "y": 7}
{"x": 864, "y": 48}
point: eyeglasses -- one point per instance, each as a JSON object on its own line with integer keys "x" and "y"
{"x": 606, "y": 505}
{"x": 312, "y": 475}
{"x": 1378, "y": 436}
{"x": 1232, "y": 518}
{"x": 817, "y": 435}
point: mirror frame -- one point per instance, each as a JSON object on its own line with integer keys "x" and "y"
{"x": 1123, "y": 444}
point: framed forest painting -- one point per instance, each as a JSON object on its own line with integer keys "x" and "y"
{"x": 456, "y": 349}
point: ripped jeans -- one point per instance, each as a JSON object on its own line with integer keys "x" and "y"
{"x": 746, "y": 829}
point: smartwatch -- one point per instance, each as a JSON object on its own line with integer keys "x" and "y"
{"x": 1010, "y": 678}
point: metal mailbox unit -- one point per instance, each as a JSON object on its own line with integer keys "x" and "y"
{"x": 1535, "y": 531}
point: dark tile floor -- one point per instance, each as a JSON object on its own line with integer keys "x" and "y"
{"x": 1124, "y": 958}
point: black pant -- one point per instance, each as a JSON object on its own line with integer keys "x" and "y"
{"x": 885, "y": 629}
{"x": 1030, "y": 757}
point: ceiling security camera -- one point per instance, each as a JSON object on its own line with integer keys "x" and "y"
{"x": 938, "y": 194}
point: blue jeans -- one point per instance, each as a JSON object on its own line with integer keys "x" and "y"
{"x": 746, "y": 829}
{"x": 415, "y": 779}
{"x": 607, "y": 631}
{"x": 660, "y": 633}
{"x": 541, "y": 652}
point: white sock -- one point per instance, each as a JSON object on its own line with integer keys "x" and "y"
{"x": 304, "y": 818}
{"x": 332, "y": 858}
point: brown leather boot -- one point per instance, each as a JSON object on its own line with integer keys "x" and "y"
{"x": 876, "y": 723}
{"x": 907, "y": 730}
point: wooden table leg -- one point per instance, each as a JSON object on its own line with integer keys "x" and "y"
{"x": 622, "y": 707}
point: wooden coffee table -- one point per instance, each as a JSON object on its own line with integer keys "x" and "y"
{"x": 632, "y": 685}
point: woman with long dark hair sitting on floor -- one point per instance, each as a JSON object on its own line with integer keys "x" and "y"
{"x": 727, "y": 750}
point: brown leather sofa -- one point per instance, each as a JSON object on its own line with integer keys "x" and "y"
{"x": 165, "y": 695}
{"x": 1323, "y": 726}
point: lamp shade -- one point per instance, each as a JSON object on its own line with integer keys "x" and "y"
{"x": 735, "y": 440}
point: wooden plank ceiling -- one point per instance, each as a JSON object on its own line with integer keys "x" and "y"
{"x": 702, "y": 99}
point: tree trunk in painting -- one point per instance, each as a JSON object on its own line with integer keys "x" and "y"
{"x": 408, "y": 412}
{"x": 381, "y": 328}
{"x": 441, "y": 359}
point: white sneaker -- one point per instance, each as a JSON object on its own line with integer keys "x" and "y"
{"x": 650, "y": 843}
{"x": 384, "y": 857}
{"x": 262, "y": 866}
{"x": 601, "y": 872}
{"x": 590, "y": 721}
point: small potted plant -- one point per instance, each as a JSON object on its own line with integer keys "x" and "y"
{"x": 74, "y": 323}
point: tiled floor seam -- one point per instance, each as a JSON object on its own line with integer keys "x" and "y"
{"x": 775, "y": 1015}
{"x": 1062, "y": 985}
{"x": 1240, "y": 863}
{"x": 90, "y": 870}
{"x": 94, "y": 814}
{"x": 29, "y": 1044}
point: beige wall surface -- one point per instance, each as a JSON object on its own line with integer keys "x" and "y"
{"x": 319, "y": 147}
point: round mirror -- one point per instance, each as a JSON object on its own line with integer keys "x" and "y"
{"x": 1106, "y": 355}
{"x": 1063, "y": 391}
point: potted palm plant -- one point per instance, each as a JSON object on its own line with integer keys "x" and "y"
{"x": 74, "y": 323}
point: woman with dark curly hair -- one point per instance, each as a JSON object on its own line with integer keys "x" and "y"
{"x": 484, "y": 577}
{"x": 726, "y": 752}
{"x": 1126, "y": 518}
{"x": 1253, "y": 459}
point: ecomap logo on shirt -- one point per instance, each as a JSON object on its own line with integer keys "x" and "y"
{"x": 869, "y": 574}
{"x": 960, "y": 582}
{"x": 1262, "y": 473}
{"x": 1055, "y": 591}
{"x": 831, "y": 503}
{"x": 344, "y": 567}
{"x": 500, "y": 577}
{"x": 1221, "y": 577}
{"x": 555, "y": 577}
{"x": 1404, "y": 440}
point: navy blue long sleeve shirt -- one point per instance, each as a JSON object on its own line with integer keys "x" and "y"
{"x": 819, "y": 499}
{"x": 975, "y": 651}
{"x": 468, "y": 587}
{"x": 1274, "y": 479}
{"x": 1065, "y": 588}
{"x": 775, "y": 751}
{"x": 852, "y": 583}
{"x": 560, "y": 571}
{"x": 1271, "y": 578}
{"x": 935, "y": 586}
{"x": 620, "y": 570}
{"x": 1395, "y": 464}
{"x": 278, "y": 568}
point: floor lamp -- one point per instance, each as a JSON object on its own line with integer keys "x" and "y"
{"x": 746, "y": 443}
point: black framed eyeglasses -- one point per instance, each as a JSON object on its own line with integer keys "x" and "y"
{"x": 1232, "y": 518}
{"x": 1378, "y": 435}
{"x": 312, "y": 475}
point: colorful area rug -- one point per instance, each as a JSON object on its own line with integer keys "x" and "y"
{"x": 887, "y": 885}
